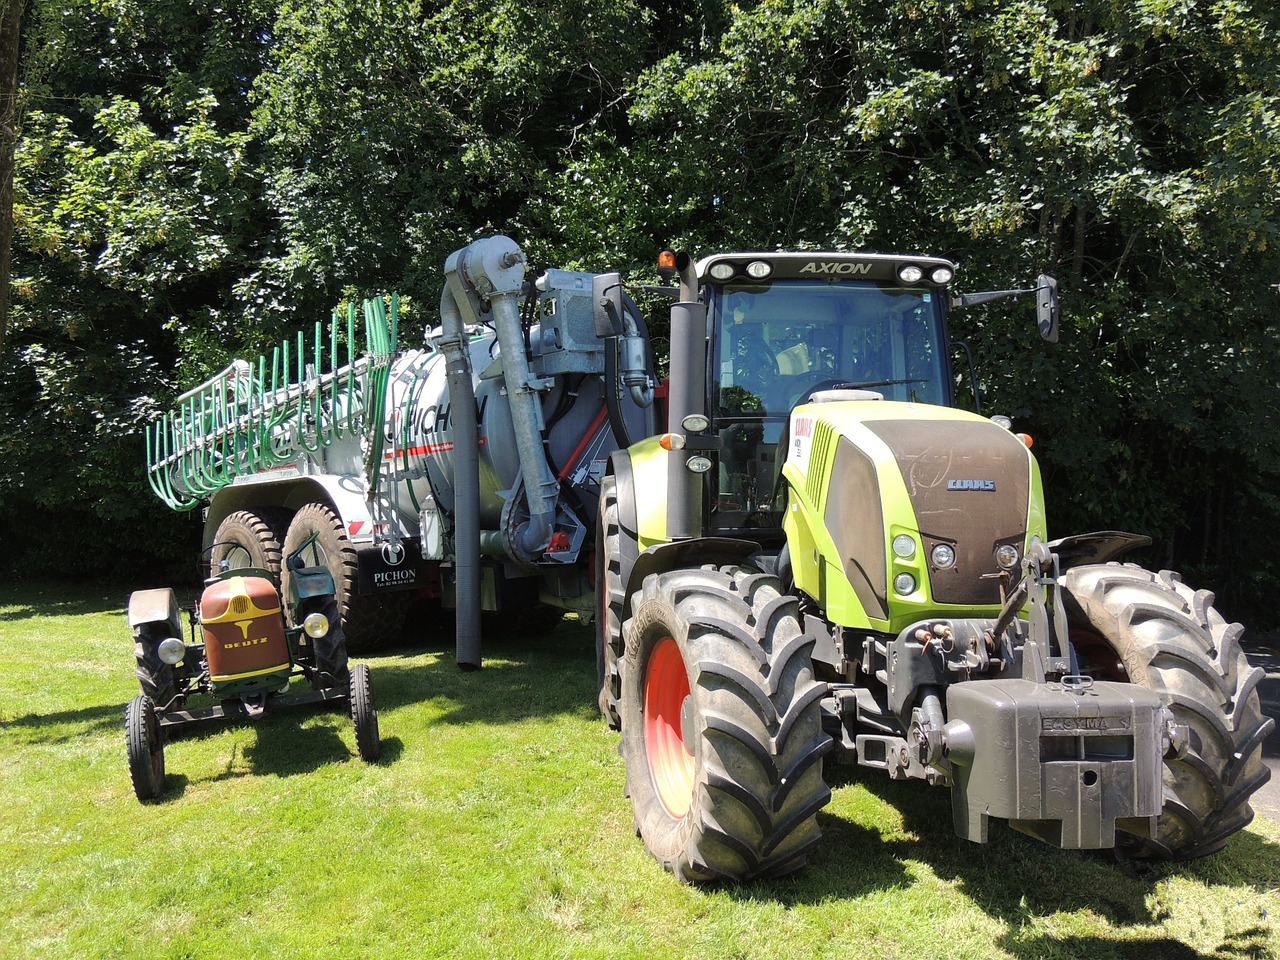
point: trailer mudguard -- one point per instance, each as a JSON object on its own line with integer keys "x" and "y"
{"x": 345, "y": 495}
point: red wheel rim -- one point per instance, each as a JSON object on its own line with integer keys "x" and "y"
{"x": 666, "y": 688}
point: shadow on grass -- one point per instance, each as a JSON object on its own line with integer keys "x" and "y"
{"x": 44, "y": 601}
{"x": 522, "y": 678}
{"x": 284, "y": 747}
{"x": 34, "y": 728}
{"x": 1013, "y": 878}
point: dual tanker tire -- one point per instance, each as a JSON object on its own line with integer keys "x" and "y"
{"x": 249, "y": 538}
{"x": 721, "y": 725}
{"x": 1129, "y": 624}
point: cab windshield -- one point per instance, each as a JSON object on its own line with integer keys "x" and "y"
{"x": 775, "y": 343}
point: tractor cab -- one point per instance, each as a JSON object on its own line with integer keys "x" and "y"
{"x": 784, "y": 326}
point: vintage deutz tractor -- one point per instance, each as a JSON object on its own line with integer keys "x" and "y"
{"x": 244, "y": 653}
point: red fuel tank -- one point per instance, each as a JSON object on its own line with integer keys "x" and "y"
{"x": 243, "y": 630}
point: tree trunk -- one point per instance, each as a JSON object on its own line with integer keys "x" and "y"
{"x": 10, "y": 46}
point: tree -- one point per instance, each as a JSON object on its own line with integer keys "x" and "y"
{"x": 10, "y": 45}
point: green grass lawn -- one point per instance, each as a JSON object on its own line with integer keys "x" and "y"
{"x": 495, "y": 826}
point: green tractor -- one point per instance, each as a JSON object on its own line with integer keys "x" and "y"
{"x": 824, "y": 560}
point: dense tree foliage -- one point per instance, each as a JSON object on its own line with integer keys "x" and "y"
{"x": 194, "y": 179}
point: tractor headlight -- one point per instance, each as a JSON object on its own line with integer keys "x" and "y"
{"x": 904, "y": 547}
{"x": 695, "y": 423}
{"x": 759, "y": 269}
{"x": 942, "y": 275}
{"x": 698, "y": 464}
{"x": 904, "y": 584}
{"x": 1007, "y": 556}
{"x": 172, "y": 650}
{"x": 315, "y": 625}
{"x": 722, "y": 271}
{"x": 910, "y": 273}
{"x": 943, "y": 556}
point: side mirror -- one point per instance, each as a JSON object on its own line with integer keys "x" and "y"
{"x": 606, "y": 302}
{"x": 1047, "y": 307}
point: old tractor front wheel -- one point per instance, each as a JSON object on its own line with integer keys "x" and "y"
{"x": 721, "y": 725}
{"x": 1131, "y": 625}
{"x": 144, "y": 743}
{"x": 364, "y": 713}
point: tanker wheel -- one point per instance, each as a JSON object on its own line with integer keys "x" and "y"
{"x": 721, "y": 725}
{"x": 368, "y": 622}
{"x": 1131, "y": 625}
{"x": 330, "y": 651}
{"x": 157, "y": 679}
{"x": 364, "y": 713}
{"x": 613, "y": 549}
{"x": 249, "y": 538}
{"x": 145, "y": 745}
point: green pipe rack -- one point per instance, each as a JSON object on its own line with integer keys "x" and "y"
{"x": 240, "y": 422}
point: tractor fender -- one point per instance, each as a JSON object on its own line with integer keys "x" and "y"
{"x": 346, "y": 495}
{"x": 1098, "y": 547}
{"x": 155, "y": 606}
{"x": 682, "y": 555}
{"x": 309, "y": 582}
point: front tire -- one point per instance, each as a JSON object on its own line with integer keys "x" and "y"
{"x": 1150, "y": 629}
{"x": 721, "y": 725}
{"x": 364, "y": 714}
{"x": 144, "y": 743}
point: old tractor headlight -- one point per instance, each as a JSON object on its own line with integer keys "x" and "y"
{"x": 910, "y": 273}
{"x": 695, "y": 423}
{"x": 904, "y": 546}
{"x": 172, "y": 650}
{"x": 759, "y": 269}
{"x": 904, "y": 584}
{"x": 315, "y": 625}
{"x": 943, "y": 556}
{"x": 1007, "y": 556}
{"x": 942, "y": 275}
{"x": 722, "y": 271}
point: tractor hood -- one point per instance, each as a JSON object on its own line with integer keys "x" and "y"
{"x": 904, "y": 507}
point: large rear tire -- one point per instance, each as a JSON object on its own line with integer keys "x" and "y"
{"x": 1150, "y": 629}
{"x": 368, "y": 622}
{"x": 158, "y": 680}
{"x": 249, "y": 538}
{"x": 721, "y": 725}
{"x": 330, "y": 651}
{"x": 144, "y": 743}
{"x": 614, "y": 550}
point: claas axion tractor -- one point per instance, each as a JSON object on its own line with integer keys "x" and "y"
{"x": 797, "y": 551}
